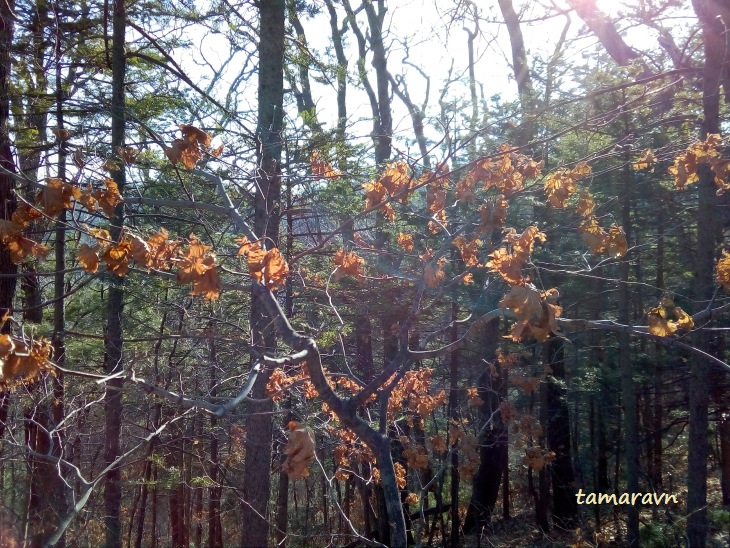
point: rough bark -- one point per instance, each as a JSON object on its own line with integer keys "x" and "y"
{"x": 626, "y": 366}
{"x": 521, "y": 70}
{"x": 710, "y": 14}
{"x": 115, "y": 303}
{"x": 565, "y": 507}
{"x": 259, "y": 422}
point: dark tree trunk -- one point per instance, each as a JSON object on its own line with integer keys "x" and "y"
{"x": 259, "y": 423}
{"x": 492, "y": 447}
{"x": 626, "y": 365}
{"x": 115, "y": 304}
{"x": 710, "y": 14}
{"x": 558, "y": 437}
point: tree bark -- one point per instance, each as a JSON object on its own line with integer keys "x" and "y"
{"x": 115, "y": 304}
{"x": 709, "y": 13}
{"x": 259, "y": 423}
{"x": 565, "y": 506}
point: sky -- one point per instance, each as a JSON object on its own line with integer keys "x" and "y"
{"x": 436, "y": 42}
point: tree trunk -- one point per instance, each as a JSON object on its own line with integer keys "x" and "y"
{"x": 713, "y": 28}
{"x": 115, "y": 303}
{"x": 492, "y": 450}
{"x": 626, "y": 365}
{"x": 565, "y": 506}
{"x": 259, "y": 423}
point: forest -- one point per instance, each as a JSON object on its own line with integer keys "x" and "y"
{"x": 348, "y": 273}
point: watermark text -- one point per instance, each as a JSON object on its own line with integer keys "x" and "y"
{"x": 645, "y": 499}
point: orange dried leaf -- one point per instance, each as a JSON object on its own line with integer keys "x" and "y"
{"x": 117, "y": 257}
{"x": 348, "y": 263}
{"x": 645, "y": 161}
{"x": 405, "y": 241}
{"x": 723, "y": 271}
{"x": 88, "y": 257}
{"x": 195, "y": 136}
{"x": 299, "y": 452}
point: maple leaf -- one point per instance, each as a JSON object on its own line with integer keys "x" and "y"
{"x": 524, "y": 301}
{"x": 493, "y": 213}
{"x": 128, "y": 154}
{"x": 348, "y": 263}
{"x": 560, "y": 184}
{"x": 586, "y": 204}
{"x": 25, "y": 215}
{"x": 412, "y": 498}
{"x": 275, "y": 269}
{"x": 87, "y": 199}
{"x": 508, "y": 266}
{"x": 537, "y": 458}
{"x": 192, "y": 264}
{"x": 468, "y": 250}
{"x": 321, "y": 169}
{"x": 405, "y": 241}
{"x": 140, "y": 250}
{"x": 299, "y": 451}
{"x": 21, "y": 248}
{"x": 88, "y": 257}
{"x": 464, "y": 190}
{"x": 102, "y": 236}
{"x": 684, "y": 320}
{"x": 56, "y": 196}
{"x": 208, "y": 284}
{"x": 593, "y": 235}
{"x": 536, "y": 312}
{"x": 108, "y": 199}
{"x": 162, "y": 250}
{"x": 645, "y": 161}
{"x": 721, "y": 169}
{"x": 438, "y": 443}
{"x": 723, "y": 270}
{"x": 659, "y": 324}
{"x": 116, "y": 258}
{"x": 195, "y": 136}
{"x": 472, "y": 393}
{"x": 687, "y": 163}
{"x": 21, "y": 362}
{"x": 617, "y": 246}
{"x": 433, "y": 273}
{"x": 9, "y": 230}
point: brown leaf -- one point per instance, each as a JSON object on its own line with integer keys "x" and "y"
{"x": 299, "y": 452}
{"x": 348, "y": 263}
{"x": 117, "y": 257}
{"x": 195, "y": 136}
{"x": 88, "y": 257}
{"x": 108, "y": 199}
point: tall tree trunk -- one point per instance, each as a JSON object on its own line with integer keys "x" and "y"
{"x": 565, "y": 506}
{"x": 259, "y": 427}
{"x": 7, "y": 183}
{"x": 628, "y": 394}
{"x": 454, "y": 416}
{"x": 115, "y": 303}
{"x": 488, "y": 477}
{"x": 521, "y": 70}
{"x": 709, "y": 13}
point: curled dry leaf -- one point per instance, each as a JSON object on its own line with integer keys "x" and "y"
{"x": 22, "y": 361}
{"x": 88, "y": 257}
{"x": 723, "y": 270}
{"x": 299, "y": 451}
{"x": 348, "y": 263}
{"x": 405, "y": 241}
